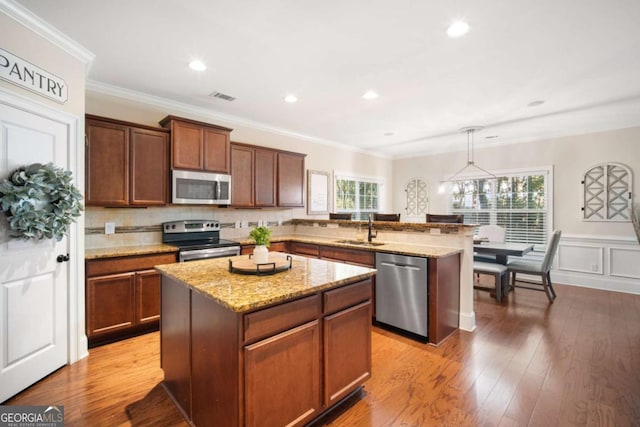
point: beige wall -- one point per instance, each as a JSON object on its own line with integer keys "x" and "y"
{"x": 570, "y": 157}
{"x": 33, "y": 48}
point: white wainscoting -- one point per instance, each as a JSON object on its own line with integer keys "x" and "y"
{"x": 602, "y": 262}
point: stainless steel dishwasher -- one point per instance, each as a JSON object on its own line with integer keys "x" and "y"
{"x": 401, "y": 292}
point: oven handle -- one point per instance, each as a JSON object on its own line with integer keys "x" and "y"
{"x": 185, "y": 256}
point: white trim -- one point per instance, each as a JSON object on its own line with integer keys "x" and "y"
{"x": 39, "y": 26}
{"x": 609, "y": 279}
{"x": 77, "y": 339}
{"x": 599, "y": 266}
{"x": 182, "y": 108}
{"x": 467, "y": 321}
{"x": 612, "y": 264}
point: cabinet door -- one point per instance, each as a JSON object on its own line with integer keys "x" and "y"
{"x": 242, "y": 176}
{"x": 274, "y": 399}
{"x": 216, "y": 151}
{"x": 347, "y": 351}
{"x": 186, "y": 146}
{"x": 149, "y": 167}
{"x": 290, "y": 180}
{"x": 265, "y": 177}
{"x": 147, "y": 296}
{"x": 107, "y": 164}
{"x": 110, "y": 303}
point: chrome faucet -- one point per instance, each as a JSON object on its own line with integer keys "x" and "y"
{"x": 370, "y": 234}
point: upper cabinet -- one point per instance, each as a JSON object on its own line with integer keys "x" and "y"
{"x": 290, "y": 179}
{"x": 126, "y": 164}
{"x": 198, "y": 146}
{"x": 264, "y": 177}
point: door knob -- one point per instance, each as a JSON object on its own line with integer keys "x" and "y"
{"x": 62, "y": 258}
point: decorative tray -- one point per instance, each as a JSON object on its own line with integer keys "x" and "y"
{"x": 248, "y": 266}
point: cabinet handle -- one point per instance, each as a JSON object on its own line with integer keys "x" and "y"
{"x": 62, "y": 258}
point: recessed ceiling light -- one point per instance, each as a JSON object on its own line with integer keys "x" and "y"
{"x": 458, "y": 29}
{"x": 490, "y": 136}
{"x": 535, "y": 103}
{"x": 388, "y": 134}
{"x": 370, "y": 94}
{"x": 197, "y": 65}
{"x": 290, "y": 99}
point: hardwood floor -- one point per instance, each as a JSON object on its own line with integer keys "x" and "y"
{"x": 575, "y": 362}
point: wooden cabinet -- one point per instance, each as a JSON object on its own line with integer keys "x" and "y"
{"x": 242, "y": 176}
{"x": 122, "y": 296}
{"x": 347, "y": 350}
{"x": 253, "y": 176}
{"x": 126, "y": 164}
{"x": 263, "y": 177}
{"x": 290, "y": 179}
{"x": 284, "y": 364}
{"x": 198, "y": 146}
{"x": 274, "y": 247}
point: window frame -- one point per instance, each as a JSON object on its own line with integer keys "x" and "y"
{"x": 380, "y": 182}
{"x": 546, "y": 171}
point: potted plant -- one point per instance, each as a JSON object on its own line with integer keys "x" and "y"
{"x": 262, "y": 236}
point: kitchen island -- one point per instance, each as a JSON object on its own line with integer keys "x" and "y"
{"x": 275, "y": 350}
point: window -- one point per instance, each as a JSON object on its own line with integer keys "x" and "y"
{"x": 519, "y": 202}
{"x": 360, "y": 196}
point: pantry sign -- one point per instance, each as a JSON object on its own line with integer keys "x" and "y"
{"x": 24, "y": 74}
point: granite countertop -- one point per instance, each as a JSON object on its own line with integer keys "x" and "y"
{"x": 119, "y": 251}
{"x": 414, "y": 249}
{"x": 240, "y": 292}
{"x": 380, "y": 246}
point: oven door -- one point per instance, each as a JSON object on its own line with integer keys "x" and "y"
{"x": 198, "y": 254}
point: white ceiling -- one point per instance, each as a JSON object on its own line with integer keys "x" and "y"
{"x": 582, "y": 57}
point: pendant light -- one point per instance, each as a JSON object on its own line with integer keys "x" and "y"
{"x": 470, "y": 169}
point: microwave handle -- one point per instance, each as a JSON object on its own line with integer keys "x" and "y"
{"x": 218, "y": 190}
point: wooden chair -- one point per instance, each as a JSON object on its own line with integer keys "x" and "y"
{"x": 542, "y": 269}
{"x": 346, "y": 216}
{"x": 386, "y": 217}
{"x": 498, "y": 271}
{"x": 450, "y": 219}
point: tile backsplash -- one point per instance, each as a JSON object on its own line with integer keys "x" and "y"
{"x": 142, "y": 226}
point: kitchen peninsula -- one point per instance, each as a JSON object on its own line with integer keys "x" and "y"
{"x": 270, "y": 350}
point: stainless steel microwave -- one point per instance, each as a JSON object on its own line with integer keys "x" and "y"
{"x": 200, "y": 188}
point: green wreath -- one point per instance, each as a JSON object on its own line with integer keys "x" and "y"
{"x": 40, "y": 201}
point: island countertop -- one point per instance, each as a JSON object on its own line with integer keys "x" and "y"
{"x": 242, "y": 292}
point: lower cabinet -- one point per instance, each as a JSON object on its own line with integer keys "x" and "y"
{"x": 274, "y": 247}
{"x": 122, "y": 296}
{"x": 281, "y": 365}
{"x": 285, "y": 369}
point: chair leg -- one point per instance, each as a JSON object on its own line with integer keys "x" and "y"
{"x": 550, "y": 284}
{"x": 498, "y": 278}
{"x": 546, "y": 288}
{"x": 512, "y": 283}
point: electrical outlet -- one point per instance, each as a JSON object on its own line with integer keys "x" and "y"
{"x": 238, "y": 225}
{"x": 279, "y": 222}
{"x": 109, "y": 228}
{"x": 594, "y": 267}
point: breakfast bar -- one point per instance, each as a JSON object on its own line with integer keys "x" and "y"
{"x": 269, "y": 350}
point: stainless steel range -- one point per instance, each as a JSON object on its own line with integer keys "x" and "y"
{"x": 198, "y": 239}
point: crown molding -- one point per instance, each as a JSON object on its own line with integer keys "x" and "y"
{"x": 39, "y": 26}
{"x": 183, "y": 108}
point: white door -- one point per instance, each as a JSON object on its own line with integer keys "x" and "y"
{"x": 33, "y": 285}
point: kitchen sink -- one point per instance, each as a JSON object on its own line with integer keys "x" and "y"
{"x": 359, "y": 242}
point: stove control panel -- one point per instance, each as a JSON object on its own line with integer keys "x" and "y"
{"x": 190, "y": 226}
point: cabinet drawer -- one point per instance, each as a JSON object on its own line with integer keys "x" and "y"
{"x": 101, "y": 267}
{"x": 307, "y": 249}
{"x": 270, "y": 321}
{"x": 337, "y": 299}
{"x": 351, "y": 256}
